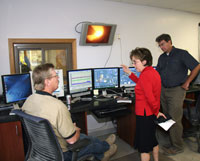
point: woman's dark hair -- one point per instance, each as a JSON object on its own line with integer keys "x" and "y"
{"x": 165, "y": 37}
{"x": 142, "y": 54}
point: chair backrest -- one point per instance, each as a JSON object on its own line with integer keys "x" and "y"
{"x": 44, "y": 143}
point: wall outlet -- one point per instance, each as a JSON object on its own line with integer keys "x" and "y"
{"x": 118, "y": 36}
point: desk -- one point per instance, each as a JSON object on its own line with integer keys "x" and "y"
{"x": 192, "y": 93}
{"x": 125, "y": 121}
{"x": 11, "y": 144}
{"x": 193, "y": 89}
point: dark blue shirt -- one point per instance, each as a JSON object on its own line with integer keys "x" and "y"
{"x": 173, "y": 68}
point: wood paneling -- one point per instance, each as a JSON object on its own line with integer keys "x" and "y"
{"x": 11, "y": 142}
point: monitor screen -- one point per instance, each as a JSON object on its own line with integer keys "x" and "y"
{"x": 196, "y": 80}
{"x": 125, "y": 81}
{"x": 79, "y": 82}
{"x": 59, "y": 92}
{"x": 105, "y": 78}
{"x": 16, "y": 87}
{"x": 97, "y": 34}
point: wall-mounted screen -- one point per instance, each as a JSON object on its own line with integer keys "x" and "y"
{"x": 97, "y": 34}
{"x": 79, "y": 82}
{"x": 16, "y": 87}
{"x": 105, "y": 78}
{"x": 125, "y": 81}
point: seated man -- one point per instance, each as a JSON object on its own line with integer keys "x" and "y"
{"x": 44, "y": 105}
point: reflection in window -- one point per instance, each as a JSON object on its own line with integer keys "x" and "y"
{"x": 58, "y": 59}
{"x": 29, "y": 59}
{"x": 26, "y": 54}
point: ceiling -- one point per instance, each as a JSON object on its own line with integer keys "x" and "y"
{"x": 192, "y": 6}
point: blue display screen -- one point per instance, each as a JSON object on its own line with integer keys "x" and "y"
{"x": 125, "y": 81}
{"x": 16, "y": 87}
{"x": 105, "y": 78}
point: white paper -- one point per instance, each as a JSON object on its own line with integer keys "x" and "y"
{"x": 167, "y": 124}
{"x": 124, "y": 101}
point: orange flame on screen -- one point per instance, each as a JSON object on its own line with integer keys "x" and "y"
{"x": 96, "y": 34}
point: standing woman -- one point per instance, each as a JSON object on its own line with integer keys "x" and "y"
{"x": 147, "y": 102}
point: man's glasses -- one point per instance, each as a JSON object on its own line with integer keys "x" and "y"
{"x": 55, "y": 76}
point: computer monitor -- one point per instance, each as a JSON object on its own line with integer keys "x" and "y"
{"x": 196, "y": 80}
{"x": 104, "y": 78}
{"x": 97, "y": 34}
{"x": 124, "y": 80}
{"x": 79, "y": 82}
{"x": 59, "y": 92}
{"x": 16, "y": 87}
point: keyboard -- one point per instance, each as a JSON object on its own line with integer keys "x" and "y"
{"x": 103, "y": 99}
{"x": 80, "y": 105}
{"x": 111, "y": 110}
{"x": 3, "y": 105}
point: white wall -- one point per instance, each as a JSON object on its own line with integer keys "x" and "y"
{"x": 138, "y": 26}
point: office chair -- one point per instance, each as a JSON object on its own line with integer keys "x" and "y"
{"x": 192, "y": 114}
{"x": 43, "y": 143}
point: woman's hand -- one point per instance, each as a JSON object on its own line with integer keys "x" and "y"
{"x": 126, "y": 69}
{"x": 161, "y": 114}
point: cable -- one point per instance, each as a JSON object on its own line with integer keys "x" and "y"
{"x": 121, "y": 50}
{"x": 79, "y": 24}
{"x": 108, "y": 56}
{"x": 113, "y": 91}
{"x": 111, "y": 52}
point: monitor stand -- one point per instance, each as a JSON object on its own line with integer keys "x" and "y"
{"x": 16, "y": 106}
{"x": 104, "y": 96}
{"x": 104, "y": 93}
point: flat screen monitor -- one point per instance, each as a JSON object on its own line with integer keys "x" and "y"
{"x": 105, "y": 78}
{"x": 97, "y": 34}
{"x": 125, "y": 81}
{"x": 16, "y": 87}
{"x": 59, "y": 92}
{"x": 79, "y": 82}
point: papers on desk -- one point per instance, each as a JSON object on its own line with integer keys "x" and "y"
{"x": 167, "y": 124}
{"x": 123, "y": 100}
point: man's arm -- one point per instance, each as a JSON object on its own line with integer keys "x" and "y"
{"x": 73, "y": 139}
{"x": 192, "y": 75}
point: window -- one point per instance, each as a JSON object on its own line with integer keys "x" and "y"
{"x": 26, "y": 54}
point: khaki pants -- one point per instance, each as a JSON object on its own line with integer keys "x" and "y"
{"x": 172, "y": 103}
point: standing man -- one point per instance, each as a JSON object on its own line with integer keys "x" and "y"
{"x": 173, "y": 67}
{"x": 44, "y": 105}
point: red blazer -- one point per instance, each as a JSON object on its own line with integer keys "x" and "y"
{"x": 147, "y": 92}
